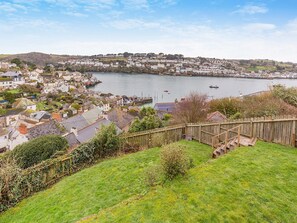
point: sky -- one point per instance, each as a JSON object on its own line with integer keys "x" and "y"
{"x": 230, "y": 29}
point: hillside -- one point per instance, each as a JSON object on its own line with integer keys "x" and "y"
{"x": 249, "y": 184}
{"x": 90, "y": 63}
{"x": 40, "y": 59}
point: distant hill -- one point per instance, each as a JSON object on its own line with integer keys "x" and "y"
{"x": 40, "y": 59}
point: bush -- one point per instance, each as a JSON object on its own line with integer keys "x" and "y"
{"x": 10, "y": 184}
{"x": 152, "y": 175}
{"x": 174, "y": 161}
{"x": 39, "y": 149}
{"x": 106, "y": 142}
{"x": 84, "y": 153}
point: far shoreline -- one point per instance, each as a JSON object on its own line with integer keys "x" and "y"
{"x": 211, "y": 76}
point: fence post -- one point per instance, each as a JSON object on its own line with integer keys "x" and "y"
{"x": 252, "y": 129}
{"x": 226, "y": 138}
{"x": 149, "y": 140}
{"x": 293, "y": 138}
{"x": 238, "y": 136}
{"x": 199, "y": 133}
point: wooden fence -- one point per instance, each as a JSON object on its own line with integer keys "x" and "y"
{"x": 281, "y": 131}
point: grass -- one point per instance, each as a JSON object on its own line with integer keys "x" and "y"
{"x": 14, "y": 91}
{"x": 91, "y": 190}
{"x": 262, "y": 68}
{"x": 247, "y": 185}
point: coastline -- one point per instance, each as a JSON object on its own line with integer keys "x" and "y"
{"x": 211, "y": 76}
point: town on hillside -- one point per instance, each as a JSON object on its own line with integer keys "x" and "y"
{"x": 164, "y": 64}
{"x": 37, "y": 101}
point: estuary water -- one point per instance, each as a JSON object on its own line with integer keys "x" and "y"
{"x": 156, "y": 86}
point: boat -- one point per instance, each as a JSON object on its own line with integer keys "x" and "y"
{"x": 213, "y": 86}
{"x": 166, "y": 91}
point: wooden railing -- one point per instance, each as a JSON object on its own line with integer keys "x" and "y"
{"x": 227, "y": 137}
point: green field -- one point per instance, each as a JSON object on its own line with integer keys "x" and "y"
{"x": 255, "y": 184}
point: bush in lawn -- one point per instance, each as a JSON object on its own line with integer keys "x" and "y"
{"x": 153, "y": 175}
{"x": 39, "y": 149}
{"x": 10, "y": 184}
{"x": 106, "y": 142}
{"x": 174, "y": 161}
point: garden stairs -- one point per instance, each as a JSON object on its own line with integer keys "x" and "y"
{"x": 221, "y": 147}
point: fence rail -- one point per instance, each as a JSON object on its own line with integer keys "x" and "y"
{"x": 281, "y": 131}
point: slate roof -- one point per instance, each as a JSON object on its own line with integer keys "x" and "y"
{"x": 71, "y": 139}
{"x": 90, "y": 131}
{"x": 81, "y": 121}
{"x": 92, "y": 115}
{"x": 40, "y": 115}
{"x": 47, "y": 128}
{"x": 10, "y": 74}
{"x": 165, "y": 107}
{"x": 77, "y": 121}
{"x": 120, "y": 118}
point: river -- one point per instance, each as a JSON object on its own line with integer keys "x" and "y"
{"x": 147, "y": 85}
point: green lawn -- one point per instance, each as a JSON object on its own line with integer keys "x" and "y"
{"x": 101, "y": 186}
{"x": 255, "y": 184}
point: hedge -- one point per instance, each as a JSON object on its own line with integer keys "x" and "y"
{"x": 39, "y": 149}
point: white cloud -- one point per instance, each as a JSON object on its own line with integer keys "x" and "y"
{"x": 292, "y": 25}
{"x": 11, "y": 7}
{"x": 259, "y": 27}
{"x": 75, "y": 14}
{"x": 133, "y": 24}
{"x": 137, "y": 4}
{"x": 251, "y": 9}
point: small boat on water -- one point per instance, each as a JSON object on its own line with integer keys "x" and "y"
{"x": 214, "y": 86}
{"x": 166, "y": 91}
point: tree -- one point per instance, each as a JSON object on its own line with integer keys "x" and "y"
{"x": 148, "y": 120}
{"x": 16, "y": 61}
{"x": 193, "y": 109}
{"x": 227, "y": 106}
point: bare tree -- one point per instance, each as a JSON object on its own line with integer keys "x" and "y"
{"x": 193, "y": 109}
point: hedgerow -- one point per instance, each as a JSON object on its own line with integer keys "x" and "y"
{"x": 39, "y": 149}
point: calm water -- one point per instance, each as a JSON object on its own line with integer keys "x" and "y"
{"x": 146, "y": 85}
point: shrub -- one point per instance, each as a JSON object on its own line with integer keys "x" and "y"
{"x": 153, "y": 175}
{"x": 192, "y": 110}
{"x": 174, "y": 161}
{"x": 39, "y": 149}
{"x": 10, "y": 184}
{"x": 84, "y": 153}
{"x": 106, "y": 142}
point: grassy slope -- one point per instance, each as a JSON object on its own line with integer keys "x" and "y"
{"x": 248, "y": 185}
{"x": 91, "y": 190}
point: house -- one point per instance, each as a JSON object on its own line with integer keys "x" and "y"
{"x": 168, "y": 107}
{"x": 216, "y": 117}
{"x": 11, "y": 79}
{"x": 41, "y": 116}
{"x": 121, "y": 119}
{"x": 76, "y": 137}
{"x": 83, "y": 120}
{"x": 24, "y": 103}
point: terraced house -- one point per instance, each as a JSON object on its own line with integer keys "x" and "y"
{"x": 11, "y": 79}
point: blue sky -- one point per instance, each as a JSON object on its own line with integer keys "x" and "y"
{"x": 211, "y": 28}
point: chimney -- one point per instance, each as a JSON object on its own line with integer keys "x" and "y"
{"x": 57, "y": 116}
{"x": 23, "y": 129}
{"x": 74, "y": 130}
